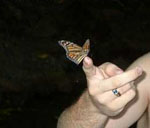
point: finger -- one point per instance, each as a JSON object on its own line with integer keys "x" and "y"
{"x": 88, "y": 67}
{"x": 109, "y": 96}
{"x": 111, "y": 69}
{"x": 120, "y": 80}
{"x": 122, "y": 100}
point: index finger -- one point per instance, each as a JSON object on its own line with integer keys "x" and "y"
{"x": 121, "y": 79}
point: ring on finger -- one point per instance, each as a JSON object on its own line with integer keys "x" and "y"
{"x": 116, "y": 92}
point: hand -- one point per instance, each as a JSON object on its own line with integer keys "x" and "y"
{"x": 103, "y": 79}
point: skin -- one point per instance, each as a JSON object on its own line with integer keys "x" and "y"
{"x": 98, "y": 107}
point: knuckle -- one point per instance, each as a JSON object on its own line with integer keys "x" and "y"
{"x": 92, "y": 91}
{"x": 125, "y": 88}
{"x": 132, "y": 92}
{"x": 116, "y": 82}
{"x": 102, "y": 100}
{"x": 104, "y": 65}
{"x": 107, "y": 63}
{"x": 134, "y": 74}
{"x": 112, "y": 107}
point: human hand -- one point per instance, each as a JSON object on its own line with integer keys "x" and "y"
{"x": 101, "y": 80}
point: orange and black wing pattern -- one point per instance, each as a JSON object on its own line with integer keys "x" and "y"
{"x": 74, "y": 52}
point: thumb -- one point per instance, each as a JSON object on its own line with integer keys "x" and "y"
{"x": 88, "y": 67}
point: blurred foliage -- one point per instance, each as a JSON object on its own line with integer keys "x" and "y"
{"x": 32, "y": 64}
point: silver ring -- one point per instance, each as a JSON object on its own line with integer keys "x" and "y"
{"x": 116, "y": 92}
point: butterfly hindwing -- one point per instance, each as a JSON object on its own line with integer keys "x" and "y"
{"x": 76, "y": 57}
{"x": 80, "y": 57}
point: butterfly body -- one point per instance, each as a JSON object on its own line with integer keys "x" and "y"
{"x": 75, "y": 52}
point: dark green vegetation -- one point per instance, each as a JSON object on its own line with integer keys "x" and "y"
{"x": 37, "y": 81}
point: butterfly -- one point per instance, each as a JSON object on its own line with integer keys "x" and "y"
{"x": 75, "y": 52}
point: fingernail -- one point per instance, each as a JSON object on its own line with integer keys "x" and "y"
{"x": 86, "y": 60}
{"x": 139, "y": 70}
{"x": 119, "y": 71}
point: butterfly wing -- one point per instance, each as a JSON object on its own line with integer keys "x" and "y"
{"x": 86, "y": 46}
{"x": 84, "y": 53}
{"x": 79, "y": 58}
{"x": 81, "y": 55}
{"x": 74, "y": 52}
{"x": 70, "y": 46}
{"x": 73, "y": 56}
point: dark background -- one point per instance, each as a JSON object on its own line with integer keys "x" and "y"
{"x": 37, "y": 81}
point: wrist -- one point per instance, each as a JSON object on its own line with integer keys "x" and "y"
{"x": 88, "y": 102}
{"x": 84, "y": 114}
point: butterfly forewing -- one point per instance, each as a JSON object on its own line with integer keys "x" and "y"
{"x": 70, "y": 46}
{"x": 64, "y": 44}
{"x": 74, "y": 48}
{"x": 86, "y": 46}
